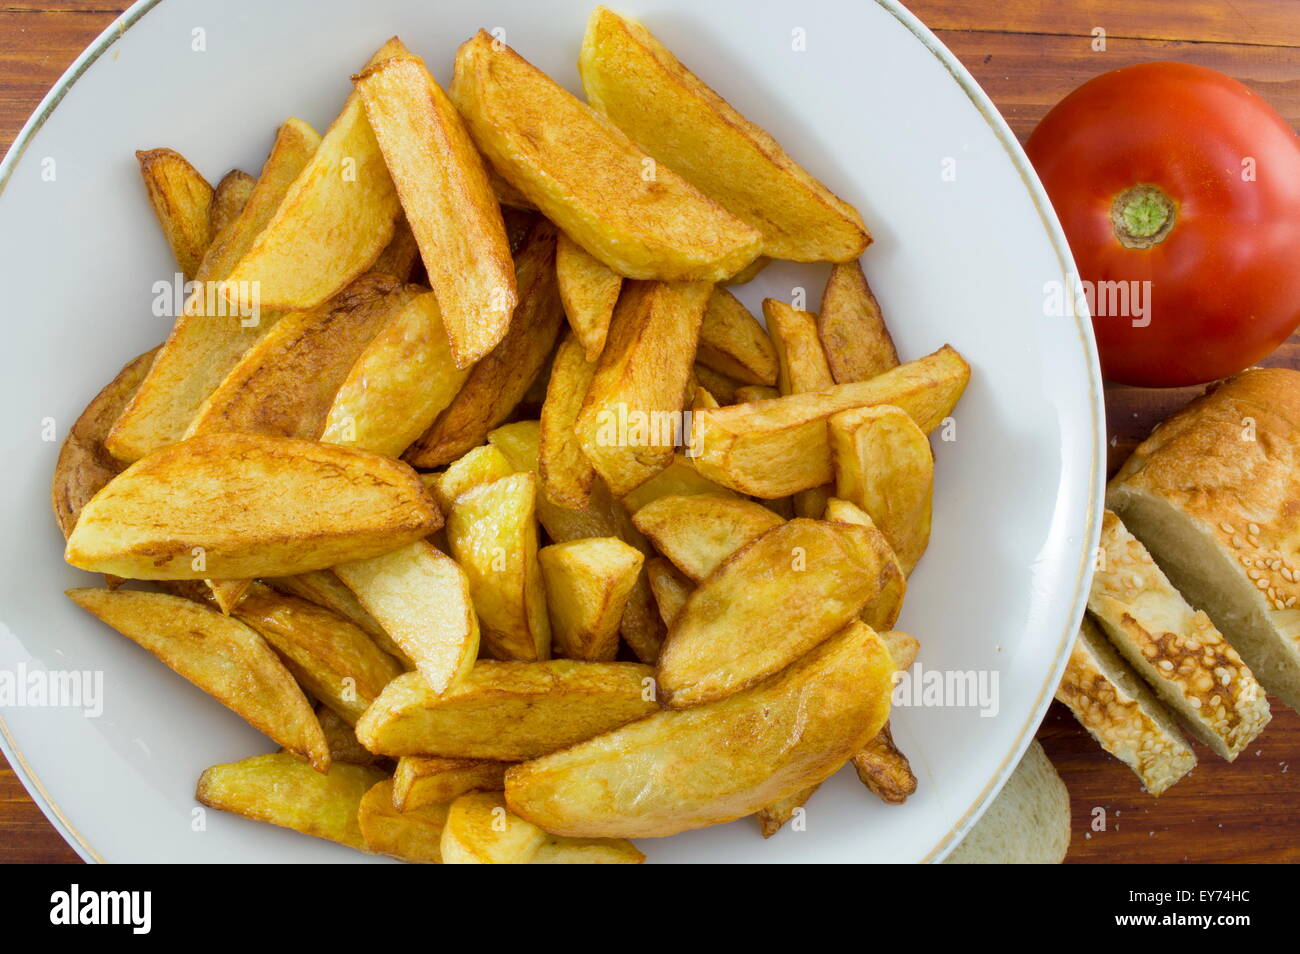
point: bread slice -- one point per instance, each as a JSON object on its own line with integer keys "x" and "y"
{"x": 1174, "y": 648}
{"x": 1214, "y": 493}
{"x": 1121, "y": 713}
{"x": 1027, "y": 824}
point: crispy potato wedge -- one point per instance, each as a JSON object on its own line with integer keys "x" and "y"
{"x": 480, "y": 830}
{"x": 702, "y": 399}
{"x": 422, "y": 599}
{"x": 497, "y": 383}
{"x": 400, "y": 254}
{"x": 686, "y": 769}
{"x": 286, "y": 383}
{"x": 566, "y": 474}
{"x": 641, "y": 627}
{"x": 852, "y": 328}
{"x": 334, "y": 221}
{"x": 282, "y": 789}
{"x": 902, "y": 646}
{"x": 492, "y": 532}
{"x": 84, "y": 465}
{"x": 414, "y": 835}
{"x": 775, "y": 448}
{"x": 733, "y": 343}
{"x": 421, "y": 781}
{"x": 208, "y": 339}
{"x": 557, "y": 850}
{"x": 589, "y": 289}
{"x": 765, "y": 606}
{"x": 772, "y": 817}
{"x": 221, "y": 656}
{"x": 325, "y": 589}
{"x": 668, "y": 111}
{"x": 697, "y": 533}
{"x": 678, "y": 479}
{"x": 233, "y": 506}
{"x": 638, "y": 217}
{"x": 401, "y": 382}
{"x": 630, "y": 423}
{"x": 720, "y": 386}
{"x": 332, "y": 659}
{"x": 755, "y": 392}
{"x": 587, "y": 586}
{"x": 182, "y": 200}
{"x": 342, "y": 741}
{"x": 883, "y": 463}
{"x": 507, "y": 711}
{"x": 880, "y": 613}
{"x": 448, "y": 201}
{"x": 749, "y": 272}
{"x": 884, "y": 769}
{"x": 229, "y": 198}
{"x": 482, "y": 465}
{"x": 670, "y": 588}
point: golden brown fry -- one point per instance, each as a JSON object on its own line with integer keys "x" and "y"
{"x": 638, "y": 217}
{"x": 566, "y": 474}
{"x": 558, "y": 850}
{"x": 755, "y": 392}
{"x": 772, "y": 817}
{"x": 686, "y": 769}
{"x": 667, "y": 110}
{"x": 669, "y": 586}
{"x": 883, "y": 463}
{"x": 233, "y": 506}
{"x": 182, "y": 200}
{"x": 764, "y": 607}
{"x": 400, "y": 255}
{"x": 589, "y": 290}
{"x": 414, "y": 835}
{"x": 480, "y": 831}
{"x": 774, "y": 448}
{"x": 507, "y": 711}
{"x": 282, "y": 789}
{"x": 697, "y": 533}
{"x": 884, "y": 769}
{"x": 881, "y": 612}
{"x": 229, "y": 198}
{"x": 678, "y": 479}
{"x": 498, "y": 382}
{"x": 334, "y": 221}
{"x": 749, "y": 272}
{"x": 325, "y": 589}
{"x": 733, "y": 343}
{"x": 720, "y": 386}
{"x": 221, "y": 656}
{"x": 421, "y": 781}
{"x": 587, "y": 586}
{"x": 702, "y": 399}
{"x": 342, "y": 741}
{"x": 448, "y": 200}
{"x": 482, "y": 465}
{"x": 421, "y": 598}
{"x": 852, "y": 329}
{"x": 631, "y": 422}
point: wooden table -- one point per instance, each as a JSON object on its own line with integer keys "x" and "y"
{"x": 1027, "y": 54}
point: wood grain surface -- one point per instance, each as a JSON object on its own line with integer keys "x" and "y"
{"x": 1027, "y": 54}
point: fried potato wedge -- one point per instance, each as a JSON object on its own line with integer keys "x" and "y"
{"x": 749, "y": 272}
{"x": 690, "y": 768}
{"x": 557, "y": 850}
{"x": 755, "y": 392}
{"x": 566, "y": 474}
{"x": 421, "y": 781}
{"x": 764, "y": 607}
{"x": 589, "y": 289}
{"x": 234, "y": 506}
{"x": 399, "y": 384}
{"x": 507, "y": 711}
{"x": 334, "y": 221}
{"x": 720, "y": 386}
{"x": 342, "y": 741}
{"x": 414, "y": 835}
{"x": 668, "y": 111}
{"x": 852, "y": 328}
{"x": 480, "y": 830}
{"x": 697, "y": 533}
{"x": 630, "y": 423}
{"x": 208, "y": 338}
{"x": 422, "y": 599}
{"x": 286, "y": 383}
{"x": 903, "y": 647}
{"x": 332, "y": 659}
{"x": 448, "y": 201}
{"x": 221, "y": 656}
{"x": 880, "y": 613}
{"x": 772, "y": 817}
{"x": 678, "y": 479}
{"x": 641, "y": 627}
{"x": 84, "y": 465}
{"x": 703, "y": 399}
{"x": 587, "y": 586}
{"x": 325, "y": 589}
{"x": 182, "y": 200}
{"x": 482, "y": 465}
{"x": 400, "y": 254}
{"x": 638, "y": 217}
{"x": 883, "y": 463}
{"x": 733, "y": 343}
{"x": 775, "y": 448}
{"x": 496, "y": 384}
{"x": 884, "y": 769}
{"x": 229, "y": 198}
{"x": 670, "y": 588}
{"x": 492, "y": 532}
{"x": 282, "y": 789}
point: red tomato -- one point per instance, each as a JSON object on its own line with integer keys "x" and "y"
{"x": 1180, "y": 177}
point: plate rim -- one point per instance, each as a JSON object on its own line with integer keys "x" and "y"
{"x": 1038, "y": 196}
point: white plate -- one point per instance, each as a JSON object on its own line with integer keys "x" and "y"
{"x": 874, "y": 105}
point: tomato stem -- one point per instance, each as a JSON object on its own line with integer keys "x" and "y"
{"x": 1142, "y": 216}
